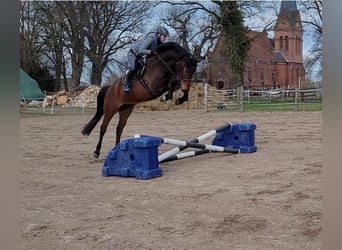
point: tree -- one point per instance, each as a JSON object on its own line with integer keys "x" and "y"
{"x": 225, "y": 18}
{"x": 313, "y": 20}
{"x": 74, "y": 15}
{"x": 194, "y": 31}
{"x": 52, "y": 38}
{"x": 109, "y": 28}
{"x": 234, "y": 32}
{"x": 29, "y": 33}
{"x": 31, "y": 48}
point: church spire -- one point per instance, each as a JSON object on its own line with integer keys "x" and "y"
{"x": 289, "y": 15}
{"x": 289, "y": 32}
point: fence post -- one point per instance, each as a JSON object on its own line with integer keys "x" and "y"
{"x": 239, "y": 96}
{"x": 205, "y": 97}
{"x": 296, "y": 99}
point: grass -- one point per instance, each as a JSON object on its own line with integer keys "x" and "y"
{"x": 269, "y": 106}
{"x": 255, "y": 105}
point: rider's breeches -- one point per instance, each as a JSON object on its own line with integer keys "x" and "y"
{"x": 131, "y": 61}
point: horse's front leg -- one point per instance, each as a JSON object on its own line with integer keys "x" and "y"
{"x": 171, "y": 86}
{"x": 183, "y": 98}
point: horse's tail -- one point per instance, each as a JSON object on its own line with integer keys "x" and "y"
{"x": 99, "y": 111}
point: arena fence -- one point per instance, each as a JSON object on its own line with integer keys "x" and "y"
{"x": 201, "y": 97}
{"x": 239, "y": 98}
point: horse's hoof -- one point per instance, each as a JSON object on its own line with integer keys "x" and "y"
{"x": 163, "y": 98}
{"x": 178, "y": 101}
{"x": 96, "y": 155}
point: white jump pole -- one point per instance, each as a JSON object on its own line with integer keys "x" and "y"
{"x": 186, "y": 144}
{"x": 163, "y": 157}
{"x": 186, "y": 155}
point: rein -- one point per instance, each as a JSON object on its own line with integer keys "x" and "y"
{"x": 145, "y": 85}
{"x": 167, "y": 66}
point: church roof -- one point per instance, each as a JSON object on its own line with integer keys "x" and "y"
{"x": 288, "y": 6}
{"x": 290, "y": 13}
{"x": 279, "y": 57}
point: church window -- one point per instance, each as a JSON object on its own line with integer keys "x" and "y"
{"x": 281, "y": 43}
{"x": 286, "y": 43}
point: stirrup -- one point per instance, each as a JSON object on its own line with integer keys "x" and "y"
{"x": 127, "y": 88}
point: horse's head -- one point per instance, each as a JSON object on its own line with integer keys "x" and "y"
{"x": 185, "y": 73}
{"x": 180, "y": 64}
{"x": 185, "y": 69}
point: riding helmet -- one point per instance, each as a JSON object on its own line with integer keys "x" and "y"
{"x": 163, "y": 31}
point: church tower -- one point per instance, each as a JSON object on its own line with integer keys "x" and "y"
{"x": 289, "y": 32}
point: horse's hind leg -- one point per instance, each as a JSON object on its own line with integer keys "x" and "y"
{"x": 124, "y": 112}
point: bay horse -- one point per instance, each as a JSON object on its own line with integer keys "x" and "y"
{"x": 169, "y": 69}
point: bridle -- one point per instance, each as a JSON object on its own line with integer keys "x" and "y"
{"x": 171, "y": 71}
{"x": 154, "y": 93}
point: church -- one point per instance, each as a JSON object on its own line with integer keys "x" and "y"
{"x": 272, "y": 62}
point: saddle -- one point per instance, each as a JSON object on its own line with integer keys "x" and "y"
{"x": 140, "y": 69}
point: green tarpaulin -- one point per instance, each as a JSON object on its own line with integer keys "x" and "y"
{"x": 29, "y": 88}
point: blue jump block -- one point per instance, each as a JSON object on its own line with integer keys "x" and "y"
{"x": 134, "y": 157}
{"x": 238, "y": 136}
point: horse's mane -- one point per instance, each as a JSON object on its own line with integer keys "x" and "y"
{"x": 171, "y": 46}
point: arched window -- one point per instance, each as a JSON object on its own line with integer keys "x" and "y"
{"x": 286, "y": 43}
{"x": 281, "y": 43}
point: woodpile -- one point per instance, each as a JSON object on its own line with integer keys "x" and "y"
{"x": 195, "y": 101}
{"x": 86, "y": 97}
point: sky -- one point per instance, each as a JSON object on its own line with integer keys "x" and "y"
{"x": 255, "y": 23}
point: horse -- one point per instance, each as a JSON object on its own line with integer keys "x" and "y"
{"x": 170, "y": 68}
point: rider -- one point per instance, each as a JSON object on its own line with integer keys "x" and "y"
{"x": 143, "y": 47}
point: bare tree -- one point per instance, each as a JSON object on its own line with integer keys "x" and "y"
{"x": 313, "y": 21}
{"x": 109, "y": 28}
{"x": 31, "y": 45}
{"x": 74, "y": 15}
{"x": 195, "y": 32}
{"x": 29, "y": 33}
{"x": 52, "y": 39}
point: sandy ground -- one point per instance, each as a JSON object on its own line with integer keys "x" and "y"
{"x": 271, "y": 199}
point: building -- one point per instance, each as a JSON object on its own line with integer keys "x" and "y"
{"x": 271, "y": 63}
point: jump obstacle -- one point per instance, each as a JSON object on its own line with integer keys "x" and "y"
{"x": 138, "y": 156}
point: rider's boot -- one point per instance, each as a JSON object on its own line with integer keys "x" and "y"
{"x": 128, "y": 82}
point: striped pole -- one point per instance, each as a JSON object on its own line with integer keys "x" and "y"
{"x": 186, "y": 155}
{"x": 185, "y": 144}
{"x": 163, "y": 157}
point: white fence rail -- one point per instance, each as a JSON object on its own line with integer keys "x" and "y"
{"x": 202, "y": 96}
{"x": 235, "y": 98}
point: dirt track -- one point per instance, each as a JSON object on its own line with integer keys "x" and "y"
{"x": 270, "y": 199}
